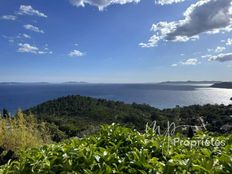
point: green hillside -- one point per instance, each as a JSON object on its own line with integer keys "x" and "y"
{"x": 77, "y": 115}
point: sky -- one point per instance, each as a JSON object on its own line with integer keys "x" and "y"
{"x": 115, "y": 41}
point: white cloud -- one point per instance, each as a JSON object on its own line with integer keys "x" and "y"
{"x": 223, "y": 57}
{"x": 174, "y": 65}
{"x": 206, "y": 56}
{"x": 229, "y": 41}
{"x": 151, "y": 42}
{"x": 191, "y": 61}
{"x": 9, "y": 17}
{"x": 45, "y": 52}
{"x": 26, "y": 36}
{"x": 167, "y": 2}
{"x": 208, "y": 16}
{"x": 17, "y": 38}
{"x": 23, "y": 36}
{"x": 33, "y": 28}
{"x": 27, "y": 48}
{"x": 76, "y": 53}
{"x": 28, "y": 10}
{"x": 10, "y": 39}
{"x": 219, "y": 49}
{"x": 101, "y": 4}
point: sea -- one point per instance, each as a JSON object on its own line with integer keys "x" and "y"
{"x": 161, "y": 95}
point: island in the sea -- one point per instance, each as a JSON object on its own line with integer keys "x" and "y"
{"x": 222, "y": 85}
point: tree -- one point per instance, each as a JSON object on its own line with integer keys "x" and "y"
{"x": 154, "y": 116}
{"x": 5, "y": 113}
{"x": 190, "y": 132}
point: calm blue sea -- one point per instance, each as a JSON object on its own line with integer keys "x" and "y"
{"x": 15, "y": 96}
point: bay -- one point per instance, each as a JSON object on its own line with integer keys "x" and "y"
{"x": 15, "y": 96}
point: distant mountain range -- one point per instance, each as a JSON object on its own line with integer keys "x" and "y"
{"x": 38, "y": 83}
{"x": 73, "y": 82}
{"x": 18, "y": 83}
{"x": 83, "y": 82}
{"x": 190, "y": 82}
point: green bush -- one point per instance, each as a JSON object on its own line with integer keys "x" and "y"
{"x": 22, "y": 132}
{"x": 116, "y": 149}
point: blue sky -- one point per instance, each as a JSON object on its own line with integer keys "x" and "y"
{"x": 121, "y": 41}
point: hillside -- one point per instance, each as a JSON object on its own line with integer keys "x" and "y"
{"x": 77, "y": 115}
{"x": 223, "y": 85}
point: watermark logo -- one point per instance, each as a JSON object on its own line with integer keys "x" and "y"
{"x": 170, "y": 139}
{"x": 198, "y": 142}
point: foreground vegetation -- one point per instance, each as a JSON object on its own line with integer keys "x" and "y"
{"x": 20, "y": 133}
{"x": 116, "y": 149}
{"x": 48, "y": 143}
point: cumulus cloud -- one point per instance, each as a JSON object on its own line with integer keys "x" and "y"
{"x": 167, "y": 2}
{"x": 101, "y": 4}
{"x": 76, "y": 53}
{"x": 27, "y": 48}
{"x": 223, "y": 57}
{"x": 33, "y": 28}
{"x": 9, "y": 17}
{"x": 152, "y": 42}
{"x": 28, "y": 10}
{"x": 216, "y": 50}
{"x": 219, "y": 49}
{"x": 229, "y": 41}
{"x": 191, "y": 61}
{"x": 208, "y": 16}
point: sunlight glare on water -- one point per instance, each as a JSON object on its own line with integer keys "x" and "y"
{"x": 212, "y": 95}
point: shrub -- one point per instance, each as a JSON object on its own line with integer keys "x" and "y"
{"x": 115, "y": 149}
{"x": 22, "y": 132}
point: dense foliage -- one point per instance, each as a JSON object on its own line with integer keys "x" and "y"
{"x": 115, "y": 149}
{"x": 22, "y": 132}
{"x": 77, "y": 115}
